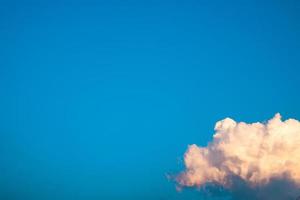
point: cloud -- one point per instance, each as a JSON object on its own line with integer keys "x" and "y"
{"x": 253, "y": 161}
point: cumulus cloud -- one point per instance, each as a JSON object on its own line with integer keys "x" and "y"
{"x": 258, "y": 160}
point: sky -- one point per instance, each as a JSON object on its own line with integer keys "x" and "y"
{"x": 99, "y": 100}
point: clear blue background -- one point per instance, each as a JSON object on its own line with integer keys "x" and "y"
{"x": 100, "y": 100}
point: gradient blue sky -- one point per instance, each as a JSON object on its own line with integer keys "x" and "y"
{"x": 100, "y": 100}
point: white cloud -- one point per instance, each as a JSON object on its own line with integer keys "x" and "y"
{"x": 255, "y": 153}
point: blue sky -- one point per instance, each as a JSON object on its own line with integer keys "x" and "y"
{"x": 100, "y": 100}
